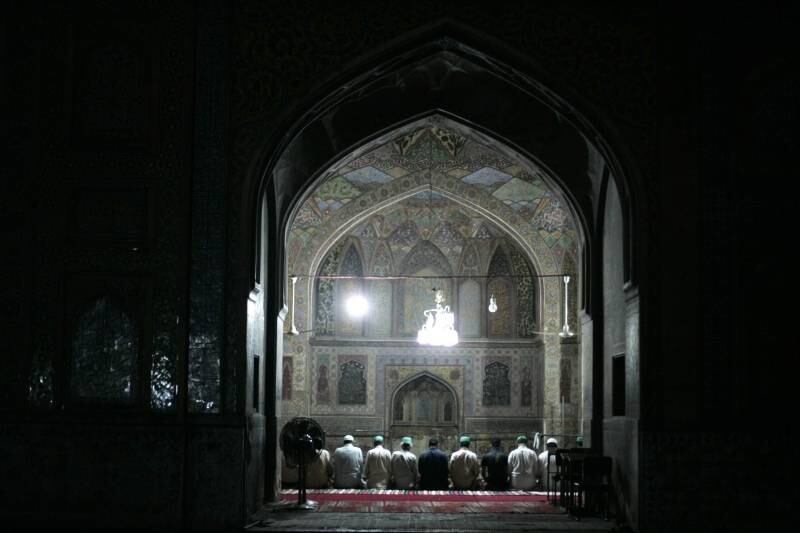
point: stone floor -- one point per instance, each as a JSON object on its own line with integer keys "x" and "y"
{"x": 277, "y": 517}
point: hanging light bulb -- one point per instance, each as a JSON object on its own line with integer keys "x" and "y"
{"x": 492, "y": 304}
{"x": 357, "y": 306}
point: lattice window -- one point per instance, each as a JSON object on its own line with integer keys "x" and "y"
{"x": 526, "y": 301}
{"x": 326, "y": 313}
{"x": 105, "y": 353}
{"x": 496, "y": 385}
{"x": 286, "y": 391}
{"x": 352, "y": 384}
{"x": 526, "y": 390}
{"x": 323, "y": 387}
{"x": 565, "y": 381}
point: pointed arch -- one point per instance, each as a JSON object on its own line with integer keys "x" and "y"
{"x": 500, "y": 265}
{"x": 445, "y": 408}
{"x": 425, "y": 254}
{"x": 470, "y": 262}
{"x": 500, "y": 286}
{"x": 416, "y": 295}
{"x": 352, "y": 264}
{"x": 379, "y": 320}
{"x": 525, "y": 285}
{"x": 470, "y": 293}
{"x": 382, "y": 263}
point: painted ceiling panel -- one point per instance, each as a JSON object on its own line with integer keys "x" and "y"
{"x": 516, "y": 190}
{"x": 486, "y": 177}
{"x": 367, "y": 176}
{"x": 337, "y": 188}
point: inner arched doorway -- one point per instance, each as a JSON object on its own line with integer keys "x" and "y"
{"x": 530, "y": 124}
{"x": 424, "y": 407}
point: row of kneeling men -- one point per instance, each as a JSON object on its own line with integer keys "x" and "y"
{"x": 349, "y": 468}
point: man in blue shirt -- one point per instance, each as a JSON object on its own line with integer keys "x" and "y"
{"x": 433, "y": 469}
{"x": 494, "y": 467}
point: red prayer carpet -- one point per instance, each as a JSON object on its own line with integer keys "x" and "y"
{"x": 420, "y": 501}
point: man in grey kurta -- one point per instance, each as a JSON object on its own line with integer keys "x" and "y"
{"x": 404, "y": 466}
{"x": 378, "y": 465}
{"x": 347, "y": 464}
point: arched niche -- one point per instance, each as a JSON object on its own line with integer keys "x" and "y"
{"x": 352, "y": 266}
{"x": 422, "y": 407}
{"x": 469, "y": 309}
{"x": 427, "y": 262}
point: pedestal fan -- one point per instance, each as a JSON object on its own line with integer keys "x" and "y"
{"x": 301, "y": 440}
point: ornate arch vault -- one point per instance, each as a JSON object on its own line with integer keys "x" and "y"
{"x": 434, "y": 203}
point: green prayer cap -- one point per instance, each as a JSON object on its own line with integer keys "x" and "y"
{"x": 377, "y": 438}
{"x": 405, "y": 440}
{"x": 522, "y": 438}
{"x": 464, "y": 440}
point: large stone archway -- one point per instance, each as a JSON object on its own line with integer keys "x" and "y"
{"x": 573, "y": 153}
